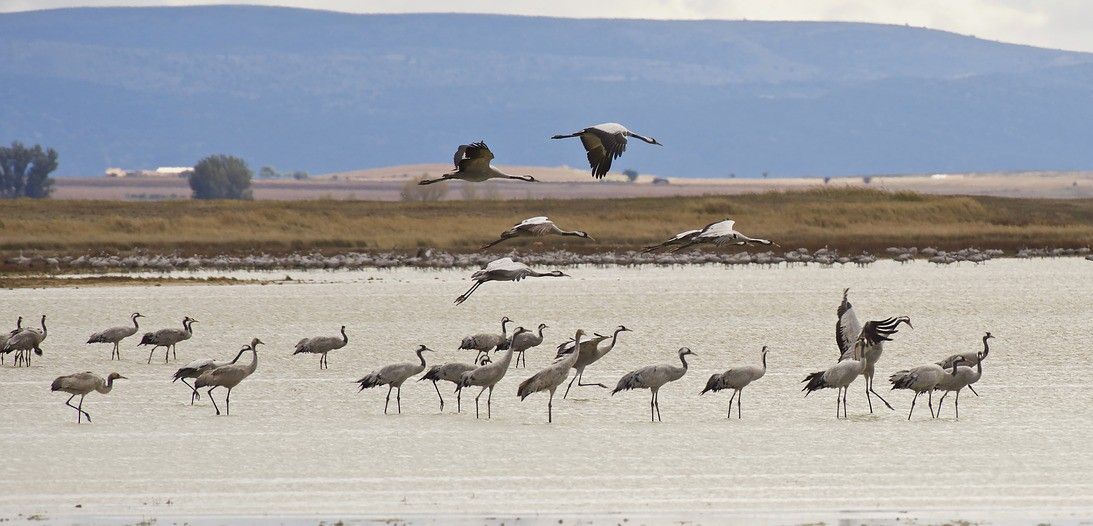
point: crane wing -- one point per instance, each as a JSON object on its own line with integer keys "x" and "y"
{"x": 470, "y": 156}
{"x": 847, "y": 328}
{"x": 602, "y": 147}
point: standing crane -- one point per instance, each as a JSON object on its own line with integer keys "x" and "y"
{"x": 4, "y": 337}
{"x": 504, "y": 269}
{"x": 737, "y": 379}
{"x": 604, "y": 143}
{"x": 321, "y": 345}
{"x": 197, "y": 368}
{"x": 527, "y": 340}
{"x": 82, "y": 384}
{"x": 590, "y": 352}
{"x": 393, "y": 377}
{"x": 848, "y": 330}
{"x": 26, "y": 341}
{"x": 168, "y": 338}
{"x": 653, "y": 378}
{"x": 549, "y": 378}
{"x": 452, "y": 372}
{"x": 839, "y": 376}
{"x": 229, "y": 376}
{"x": 536, "y": 227}
{"x": 965, "y": 376}
{"x": 472, "y": 164}
{"x": 115, "y": 335}
{"x": 484, "y": 342}
{"x": 922, "y": 379}
{"x": 488, "y": 375}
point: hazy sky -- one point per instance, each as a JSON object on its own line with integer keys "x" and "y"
{"x": 1049, "y": 23}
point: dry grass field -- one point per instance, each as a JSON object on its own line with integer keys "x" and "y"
{"x": 847, "y": 219}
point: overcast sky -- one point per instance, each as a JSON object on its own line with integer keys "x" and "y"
{"x": 1048, "y": 23}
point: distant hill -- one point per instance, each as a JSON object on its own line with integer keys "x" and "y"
{"x": 322, "y": 91}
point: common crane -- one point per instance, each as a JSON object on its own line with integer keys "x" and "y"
{"x": 82, "y": 384}
{"x": 484, "y": 342}
{"x": 922, "y": 379}
{"x": 604, "y": 143}
{"x": 321, "y": 345}
{"x": 229, "y": 376}
{"x": 549, "y": 378}
{"x": 653, "y": 378}
{"x": 678, "y": 239}
{"x": 536, "y": 227}
{"x": 591, "y": 351}
{"x": 721, "y": 233}
{"x": 472, "y": 164}
{"x": 196, "y": 368}
{"x": 451, "y": 372}
{"x": 737, "y": 379}
{"x": 115, "y": 335}
{"x": 527, "y": 340}
{"x": 504, "y": 269}
{"x": 487, "y": 376}
{"x": 965, "y": 376}
{"x": 847, "y": 331}
{"x": 26, "y": 341}
{"x": 168, "y": 338}
{"x": 393, "y": 377}
{"x": 839, "y": 376}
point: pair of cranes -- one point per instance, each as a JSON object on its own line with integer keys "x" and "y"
{"x": 24, "y": 342}
{"x": 167, "y": 338}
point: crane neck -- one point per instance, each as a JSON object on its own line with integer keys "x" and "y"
{"x": 44, "y": 330}
{"x": 572, "y": 358}
{"x": 986, "y": 347}
{"x": 253, "y": 361}
{"x": 240, "y": 354}
{"x": 955, "y": 365}
{"x": 345, "y": 337}
{"x": 764, "y": 361}
{"x": 504, "y": 327}
{"x": 106, "y": 388}
{"x": 136, "y": 325}
{"x": 683, "y": 358}
{"x": 421, "y": 356}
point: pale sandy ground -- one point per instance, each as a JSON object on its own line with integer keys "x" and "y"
{"x": 564, "y": 182}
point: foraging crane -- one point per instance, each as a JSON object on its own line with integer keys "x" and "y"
{"x": 549, "y": 378}
{"x": 847, "y": 331}
{"x": 393, "y": 377}
{"x": 653, "y": 378}
{"x": 590, "y": 352}
{"x": 536, "y": 226}
{"x": 922, "y": 379}
{"x": 605, "y": 143}
{"x": 737, "y": 379}
{"x": 115, "y": 335}
{"x": 7, "y": 335}
{"x": 228, "y": 376}
{"x": 82, "y": 384}
{"x": 451, "y": 372}
{"x": 197, "y": 368}
{"x": 839, "y": 376}
{"x": 168, "y": 338}
{"x": 472, "y": 164}
{"x": 722, "y": 233}
{"x": 527, "y": 340}
{"x": 484, "y": 342}
{"x": 25, "y": 341}
{"x": 678, "y": 239}
{"x": 488, "y": 375}
{"x": 504, "y": 269}
{"x": 965, "y": 376}
{"x": 321, "y": 345}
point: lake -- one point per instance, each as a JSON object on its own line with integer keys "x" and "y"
{"x": 302, "y": 442}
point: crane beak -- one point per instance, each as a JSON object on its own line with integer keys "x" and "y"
{"x": 120, "y": 377}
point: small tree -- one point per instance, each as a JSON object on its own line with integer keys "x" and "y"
{"x": 631, "y": 174}
{"x": 827, "y": 180}
{"x": 24, "y": 172}
{"x": 221, "y": 177}
{"x": 867, "y": 179}
{"x": 268, "y": 172}
{"x": 765, "y": 174}
{"x": 300, "y": 175}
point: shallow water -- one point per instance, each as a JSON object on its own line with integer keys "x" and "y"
{"x": 302, "y": 441}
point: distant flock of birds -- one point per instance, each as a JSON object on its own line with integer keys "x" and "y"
{"x": 860, "y": 347}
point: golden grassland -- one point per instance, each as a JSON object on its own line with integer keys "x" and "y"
{"x": 38, "y": 281}
{"x": 846, "y": 219}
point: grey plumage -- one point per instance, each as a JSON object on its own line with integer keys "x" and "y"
{"x": 451, "y": 372}
{"x": 115, "y": 335}
{"x": 721, "y": 233}
{"x": 25, "y": 341}
{"x": 603, "y": 143}
{"x": 228, "y": 376}
{"x": 549, "y": 378}
{"x": 971, "y": 358}
{"x": 676, "y": 240}
{"x": 504, "y": 269}
{"x": 848, "y": 330}
{"x": 590, "y": 352}
{"x": 963, "y": 377}
{"x": 472, "y": 164}
{"x": 196, "y": 368}
{"x": 536, "y": 227}
{"x": 921, "y": 379}
{"x": 322, "y": 345}
{"x": 653, "y": 378}
{"x": 487, "y": 376}
{"x": 4, "y": 337}
{"x": 838, "y": 376}
{"x": 393, "y": 376}
{"x": 737, "y": 379}
{"x": 81, "y": 384}
{"x": 168, "y": 338}
{"x": 524, "y": 341}
{"x": 485, "y": 342}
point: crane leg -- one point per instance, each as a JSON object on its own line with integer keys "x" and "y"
{"x": 876, "y": 394}
{"x": 941, "y": 403}
{"x": 838, "y": 395}
{"x": 930, "y": 401}
{"x": 550, "y": 407}
{"x": 973, "y": 390}
{"x": 731, "y": 398}
{"x": 956, "y": 405}
{"x": 459, "y": 401}
{"x": 580, "y": 382}
{"x": 476, "y": 402}
{"x": 912, "y": 411}
{"x": 845, "y": 391}
{"x": 867, "y": 397}
{"x": 398, "y": 399}
{"x": 489, "y": 411}
{"x": 228, "y": 402}
{"x": 388, "y": 401}
{"x": 740, "y": 397}
{"x": 463, "y": 297}
{"x": 575, "y": 374}
{"x": 656, "y": 398}
{"x": 167, "y": 354}
{"x": 210, "y": 395}
{"x": 174, "y": 352}
{"x": 80, "y": 409}
{"x": 438, "y": 395}
{"x": 151, "y": 352}
{"x": 194, "y": 395}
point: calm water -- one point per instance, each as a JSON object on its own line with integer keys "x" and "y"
{"x": 302, "y": 441}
